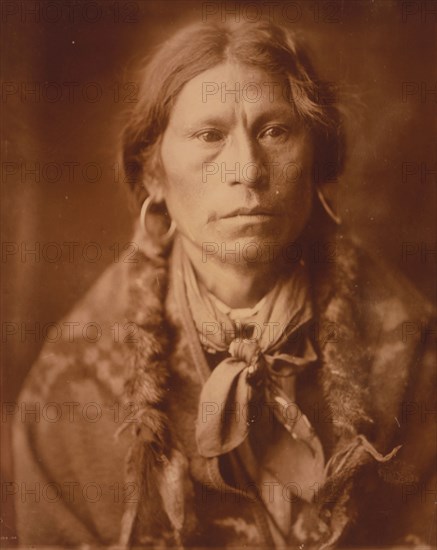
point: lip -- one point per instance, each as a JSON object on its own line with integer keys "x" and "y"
{"x": 255, "y": 212}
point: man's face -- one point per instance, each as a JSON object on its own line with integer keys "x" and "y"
{"x": 237, "y": 161}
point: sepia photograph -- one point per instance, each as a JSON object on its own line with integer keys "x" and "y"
{"x": 219, "y": 274}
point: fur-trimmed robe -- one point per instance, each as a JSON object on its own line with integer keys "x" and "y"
{"x": 110, "y": 455}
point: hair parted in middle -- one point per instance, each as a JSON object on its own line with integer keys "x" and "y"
{"x": 202, "y": 46}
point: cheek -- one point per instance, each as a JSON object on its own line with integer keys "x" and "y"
{"x": 184, "y": 196}
{"x": 186, "y": 190}
{"x": 293, "y": 188}
{"x": 294, "y": 174}
{"x": 176, "y": 171}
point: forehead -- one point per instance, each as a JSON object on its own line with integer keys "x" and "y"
{"x": 231, "y": 87}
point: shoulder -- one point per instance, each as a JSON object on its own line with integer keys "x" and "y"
{"x": 382, "y": 344}
{"x": 96, "y": 341}
{"x": 72, "y": 410}
{"x": 396, "y": 321}
{"x": 381, "y": 298}
{"x": 80, "y": 345}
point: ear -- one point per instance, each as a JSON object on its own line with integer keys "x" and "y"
{"x": 327, "y": 194}
{"x": 154, "y": 175}
{"x": 326, "y": 181}
{"x": 155, "y": 187}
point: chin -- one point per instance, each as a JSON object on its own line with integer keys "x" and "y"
{"x": 245, "y": 250}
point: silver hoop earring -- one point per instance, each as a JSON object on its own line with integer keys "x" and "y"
{"x": 327, "y": 208}
{"x": 164, "y": 238}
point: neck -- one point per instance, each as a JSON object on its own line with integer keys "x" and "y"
{"x": 236, "y": 285}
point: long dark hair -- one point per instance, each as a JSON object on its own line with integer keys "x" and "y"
{"x": 202, "y": 46}
{"x": 190, "y": 52}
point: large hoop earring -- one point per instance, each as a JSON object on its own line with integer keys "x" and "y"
{"x": 334, "y": 217}
{"x": 164, "y": 238}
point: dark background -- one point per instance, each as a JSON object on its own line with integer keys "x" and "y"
{"x": 382, "y": 53}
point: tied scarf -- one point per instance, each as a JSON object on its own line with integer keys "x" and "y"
{"x": 256, "y": 369}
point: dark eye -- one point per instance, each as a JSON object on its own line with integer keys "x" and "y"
{"x": 274, "y": 132}
{"x": 210, "y": 136}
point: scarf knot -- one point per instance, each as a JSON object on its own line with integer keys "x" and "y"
{"x": 249, "y": 353}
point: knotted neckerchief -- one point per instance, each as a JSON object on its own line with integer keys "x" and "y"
{"x": 256, "y": 368}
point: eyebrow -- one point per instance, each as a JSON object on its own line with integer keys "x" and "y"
{"x": 218, "y": 121}
{"x": 205, "y": 121}
{"x": 283, "y": 112}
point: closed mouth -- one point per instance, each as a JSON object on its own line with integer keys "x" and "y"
{"x": 255, "y": 212}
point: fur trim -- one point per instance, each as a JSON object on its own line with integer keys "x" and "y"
{"x": 343, "y": 376}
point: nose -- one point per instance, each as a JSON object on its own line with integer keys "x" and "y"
{"x": 243, "y": 162}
